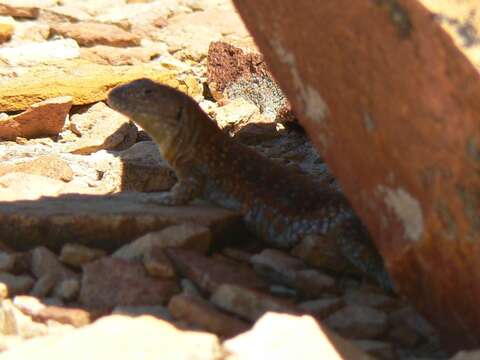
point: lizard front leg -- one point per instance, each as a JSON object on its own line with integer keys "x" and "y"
{"x": 183, "y": 192}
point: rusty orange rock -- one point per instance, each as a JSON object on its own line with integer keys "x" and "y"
{"x": 394, "y": 107}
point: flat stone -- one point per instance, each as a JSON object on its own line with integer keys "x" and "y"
{"x": 370, "y": 298}
{"x": 29, "y": 305}
{"x": 247, "y": 303}
{"x": 101, "y": 128}
{"x": 45, "y": 118}
{"x": 132, "y": 285}
{"x": 23, "y": 9}
{"x": 312, "y": 283}
{"x": 18, "y": 186}
{"x": 158, "y": 264}
{"x": 209, "y": 274}
{"x": 158, "y": 311}
{"x": 321, "y": 308}
{"x": 85, "y": 82}
{"x": 199, "y": 312}
{"x": 188, "y": 236}
{"x": 64, "y": 13}
{"x": 14, "y": 322}
{"x": 236, "y": 114}
{"x": 104, "y": 222}
{"x": 93, "y": 33}
{"x": 50, "y": 166}
{"x": 40, "y": 52}
{"x": 110, "y": 55}
{"x": 71, "y": 316}
{"x": 164, "y": 341}
{"x": 359, "y": 322}
{"x": 77, "y": 255}
{"x": 284, "y": 337}
{"x": 16, "y": 284}
{"x": 277, "y": 265}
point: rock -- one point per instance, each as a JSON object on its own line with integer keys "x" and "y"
{"x": 50, "y": 166}
{"x": 64, "y": 13}
{"x": 163, "y": 341}
{"x": 359, "y": 322}
{"x": 209, "y": 274}
{"x": 29, "y": 305}
{"x": 24, "y": 8}
{"x": 77, "y": 255}
{"x": 242, "y": 73}
{"x": 7, "y": 261}
{"x": 67, "y": 289}
{"x": 16, "y": 284}
{"x": 104, "y": 222}
{"x": 71, "y": 316}
{"x": 369, "y": 298}
{"x": 404, "y": 336}
{"x": 160, "y": 312}
{"x": 9, "y": 342}
{"x": 321, "y": 308}
{"x": 50, "y": 272}
{"x": 42, "y": 119}
{"x": 100, "y": 127}
{"x": 188, "y": 236}
{"x": 247, "y": 303}
{"x": 199, "y": 312}
{"x": 466, "y": 355}
{"x": 283, "y": 336}
{"x": 419, "y": 234}
{"x": 109, "y": 55}
{"x": 157, "y": 263}
{"x": 379, "y": 349}
{"x": 85, "y": 82}
{"x": 92, "y": 33}
{"x": 408, "y": 318}
{"x": 236, "y": 114}
{"x": 14, "y": 322}
{"x": 3, "y": 291}
{"x": 6, "y": 32}
{"x": 312, "y": 283}
{"x": 132, "y": 285}
{"x": 39, "y": 53}
{"x": 20, "y": 186}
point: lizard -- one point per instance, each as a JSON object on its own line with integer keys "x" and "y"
{"x": 278, "y": 206}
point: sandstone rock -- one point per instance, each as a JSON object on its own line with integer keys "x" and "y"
{"x": 85, "y": 82}
{"x": 16, "y": 284}
{"x": 359, "y": 322}
{"x": 39, "y": 53}
{"x": 71, "y": 316}
{"x": 130, "y": 341}
{"x": 248, "y": 304}
{"x": 77, "y": 255}
{"x": 369, "y": 298}
{"x": 14, "y": 322}
{"x": 104, "y": 222}
{"x": 109, "y": 55}
{"x": 42, "y": 119}
{"x": 20, "y": 186}
{"x": 277, "y": 265}
{"x": 6, "y": 31}
{"x": 23, "y": 8}
{"x": 282, "y": 337}
{"x": 321, "y": 308}
{"x": 100, "y": 127}
{"x": 64, "y": 13}
{"x": 50, "y": 166}
{"x": 189, "y": 236}
{"x": 209, "y": 274}
{"x": 419, "y": 234}
{"x": 3, "y": 291}
{"x": 158, "y": 264}
{"x": 235, "y": 73}
{"x": 29, "y": 305}
{"x": 197, "y": 311}
{"x": 236, "y": 114}
{"x": 92, "y": 33}
{"x": 132, "y": 285}
{"x": 312, "y": 283}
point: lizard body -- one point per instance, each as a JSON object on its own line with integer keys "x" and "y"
{"x": 278, "y": 205}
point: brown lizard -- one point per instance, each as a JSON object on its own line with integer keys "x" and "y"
{"x": 279, "y": 206}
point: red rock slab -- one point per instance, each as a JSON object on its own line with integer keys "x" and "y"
{"x": 45, "y": 118}
{"x": 209, "y": 274}
{"x": 111, "y": 282}
{"x": 393, "y": 106}
{"x": 105, "y": 222}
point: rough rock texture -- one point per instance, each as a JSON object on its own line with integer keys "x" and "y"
{"x": 85, "y": 82}
{"x": 45, "y": 118}
{"x": 112, "y": 221}
{"x": 392, "y": 105}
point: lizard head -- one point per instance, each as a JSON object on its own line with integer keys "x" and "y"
{"x": 156, "y": 108}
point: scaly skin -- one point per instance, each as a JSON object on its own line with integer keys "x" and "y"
{"x": 278, "y": 205}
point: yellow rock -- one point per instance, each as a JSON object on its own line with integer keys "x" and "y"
{"x": 6, "y": 31}
{"x": 85, "y": 82}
